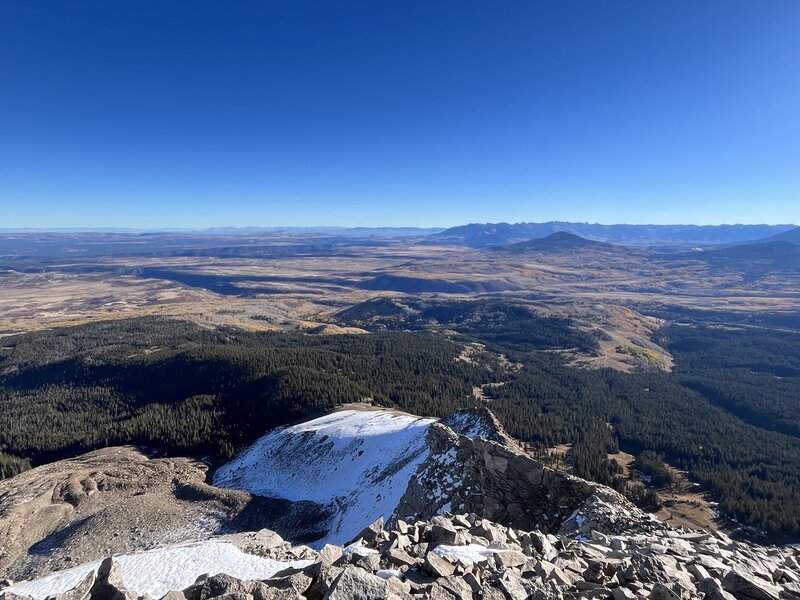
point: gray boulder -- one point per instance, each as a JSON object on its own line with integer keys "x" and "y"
{"x": 82, "y": 591}
{"x": 356, "y": 584}
{"x": 438, "y": 566}
{"x": 370, "y": 533}
{"x": 750, "y": 587}
{"x": 662, "y": 592}
{"x": 713, "y": 590}
{"x": 330, "y": 553}
{"x": 108, "y": 585}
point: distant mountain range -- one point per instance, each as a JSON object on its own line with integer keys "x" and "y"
{"x": 777, "y": 253}
{"x": 474, "y": 235}
{"x": 482, "y": 235}
{"x": 792, "y": 236}
{"x": 771, "y": 253}
{"x": 560, "y": 241}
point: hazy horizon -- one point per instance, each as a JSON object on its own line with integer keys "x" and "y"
{"x": 211, "y": 228}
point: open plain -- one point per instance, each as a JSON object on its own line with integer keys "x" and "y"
{"x": 303, "y": 281}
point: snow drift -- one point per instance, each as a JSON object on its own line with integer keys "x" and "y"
{"x": 356, "y": 462}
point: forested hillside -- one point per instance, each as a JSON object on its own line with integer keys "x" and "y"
{"x": 752, "y": 372}
{"x": 728, "y": 413}
{"x": 182, "y": 388}
{"x": 501, "y": 322}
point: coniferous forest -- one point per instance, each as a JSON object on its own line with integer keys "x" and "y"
{"x": 729, "y": 413}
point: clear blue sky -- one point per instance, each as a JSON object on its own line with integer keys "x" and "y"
{"x": 163, "y": 113}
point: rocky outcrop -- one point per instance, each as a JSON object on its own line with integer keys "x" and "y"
{"x": 481, "y": 423}
{"x": 466, "y": 557}
{"x": 119, "y": 500}
{"x": 501, "y": 483}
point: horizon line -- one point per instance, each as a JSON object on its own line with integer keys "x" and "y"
{"x": 279, "y": 228}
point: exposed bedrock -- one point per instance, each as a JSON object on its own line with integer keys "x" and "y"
{"x": 502, "y": 484}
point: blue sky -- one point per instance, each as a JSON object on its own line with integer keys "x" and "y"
{"x": 165, "y": 114}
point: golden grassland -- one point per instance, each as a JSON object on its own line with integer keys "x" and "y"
{"x": 601, "y": 291}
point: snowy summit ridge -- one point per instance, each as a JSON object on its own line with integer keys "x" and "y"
{"x": 352, "y": 467}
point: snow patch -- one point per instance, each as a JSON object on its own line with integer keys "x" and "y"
{"x": 470, "y": 554}
{"x": 159, "y": 571}
{"x": 358, "y": 463}
{"x": 389, "y": 573}
{"x": 358, "y": 548}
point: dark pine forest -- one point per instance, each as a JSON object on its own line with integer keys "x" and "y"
{"x": 729, "y": 413}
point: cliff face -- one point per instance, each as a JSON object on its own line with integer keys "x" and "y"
{"x": 365, "y": 464}
{"x": 504, "y": 485}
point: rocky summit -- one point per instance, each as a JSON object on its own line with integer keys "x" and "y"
{"x": 466, "y": 557}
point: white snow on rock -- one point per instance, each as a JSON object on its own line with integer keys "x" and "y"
{"x": 471, "y": 553}
{"x": 359, "y": 549}
{"x": 470, "y": 424}
{"x": 156, "y": 572}
{"x": 354, "y": 461}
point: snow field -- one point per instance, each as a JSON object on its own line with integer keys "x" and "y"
{"x": 357, "y": 462}
{"x": 159, "y": 571}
